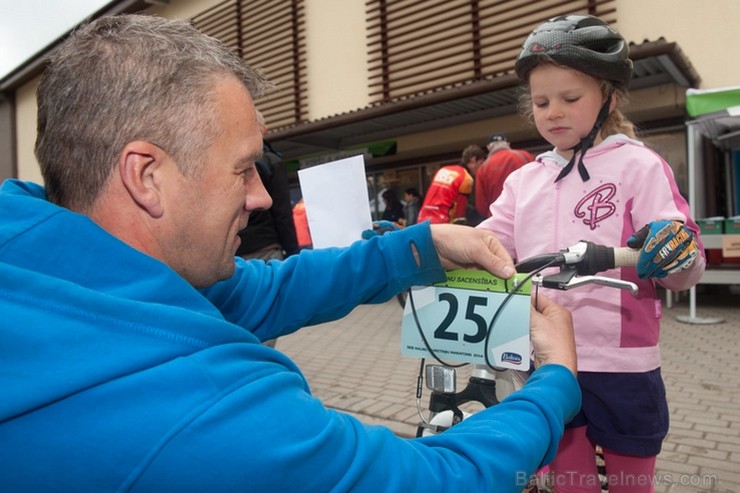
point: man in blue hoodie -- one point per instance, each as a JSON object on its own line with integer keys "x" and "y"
{"x": 130, "y": 355}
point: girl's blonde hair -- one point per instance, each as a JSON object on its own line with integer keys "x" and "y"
{"x": 616, "y": 122}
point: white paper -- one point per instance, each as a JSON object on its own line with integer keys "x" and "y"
{"x": 337, "y": 205}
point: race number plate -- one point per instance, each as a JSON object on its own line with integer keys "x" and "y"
{"x": 455, "y": 317}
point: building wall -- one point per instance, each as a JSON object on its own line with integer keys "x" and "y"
{"x": 337, "y": 54}
{"x": 183, "y": 9}
{"x": 8, "y": 141}
{"x": 338, "y": 66}
{"x": 704, "y": 31}
{"x": 25, "y": 100}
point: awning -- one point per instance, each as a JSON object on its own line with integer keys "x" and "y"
{"x": 655, "y": 63}
{"x": 716, "y": 115}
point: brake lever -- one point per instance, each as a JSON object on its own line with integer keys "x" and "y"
{"x": 566, "y": 279}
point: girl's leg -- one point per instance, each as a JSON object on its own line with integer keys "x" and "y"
{"x": 629, "y": 473}
{"x": 574, "y": 468}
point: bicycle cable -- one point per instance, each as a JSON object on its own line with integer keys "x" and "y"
{"x": 420, "y": 377}
{"x": 509, "y": 296}
{"x": 424, "y": 338}
{"x": 420, "y": 391}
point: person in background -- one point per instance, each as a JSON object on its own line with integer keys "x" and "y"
{"x": 393, "y": 207}
{"x": 130, "y": 332}
{"x": 270, "y": 234}
{"x": 446, "y": 199}
{"x": 592, "y": 186}
{"x": 411, "y": 204}
{"x": 303, "y": 233}
{"x": 502, "y": 160}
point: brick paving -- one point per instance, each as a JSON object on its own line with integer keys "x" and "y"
{"x": 355, "y": 365}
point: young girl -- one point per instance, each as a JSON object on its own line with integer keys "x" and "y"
{"x": 600, "y": 184}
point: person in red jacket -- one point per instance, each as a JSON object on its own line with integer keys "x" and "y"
{"x": 447, "y": 197}
{"x": 501, "y": 162}
{"x": 301, "y": 225}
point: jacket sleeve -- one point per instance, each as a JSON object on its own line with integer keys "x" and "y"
{"x": 662, "y": 200}
{"x": 465, "y": 189}
{"x": 282, "y": 439}
{"x": 316, "y": 286}
{"x": 482, "y": 204}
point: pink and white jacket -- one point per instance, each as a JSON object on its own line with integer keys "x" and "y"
{"x": 630, "y": 186}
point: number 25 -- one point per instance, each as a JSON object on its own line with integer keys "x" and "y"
{"x": 443, "y": 332}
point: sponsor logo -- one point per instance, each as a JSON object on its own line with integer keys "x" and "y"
{"x": 513, "y": 358}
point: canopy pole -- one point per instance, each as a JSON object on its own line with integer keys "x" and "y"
{"x": 693, "y": 144}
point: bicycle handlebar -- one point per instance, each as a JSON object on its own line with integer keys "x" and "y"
{"x": 588, "y": 257}
{"x": 584, "y": 259}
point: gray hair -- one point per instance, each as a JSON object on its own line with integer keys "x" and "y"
{"x": 125, "y": 78}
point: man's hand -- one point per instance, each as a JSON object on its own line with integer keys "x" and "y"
{"x": 667, "y": 247}
{"x": 552, "y": 334}
{"x": 463, "y": 247}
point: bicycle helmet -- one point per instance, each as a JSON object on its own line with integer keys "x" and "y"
{"x": 582, "y": 42}
{"x": 589, "y": 45}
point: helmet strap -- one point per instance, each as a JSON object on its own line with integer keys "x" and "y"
{"x": 579, "y": 150}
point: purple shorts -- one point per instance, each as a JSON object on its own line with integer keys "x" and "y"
{"x": 624, "y": 412}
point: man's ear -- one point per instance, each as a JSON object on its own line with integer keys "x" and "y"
{"x": 140, "y": 165}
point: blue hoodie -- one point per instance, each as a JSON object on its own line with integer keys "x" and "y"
{"x": 117, "y": 375}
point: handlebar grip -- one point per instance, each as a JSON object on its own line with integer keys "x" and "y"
{"x": 625, "y": 256}
{"x": 600, "y": 258}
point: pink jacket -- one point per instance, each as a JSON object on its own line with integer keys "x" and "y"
{"x": 630, "y": 186}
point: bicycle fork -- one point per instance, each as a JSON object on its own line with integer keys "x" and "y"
{"x": 485, "y": 386}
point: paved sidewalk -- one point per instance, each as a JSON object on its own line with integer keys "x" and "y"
{"x": 355, "y": 365}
